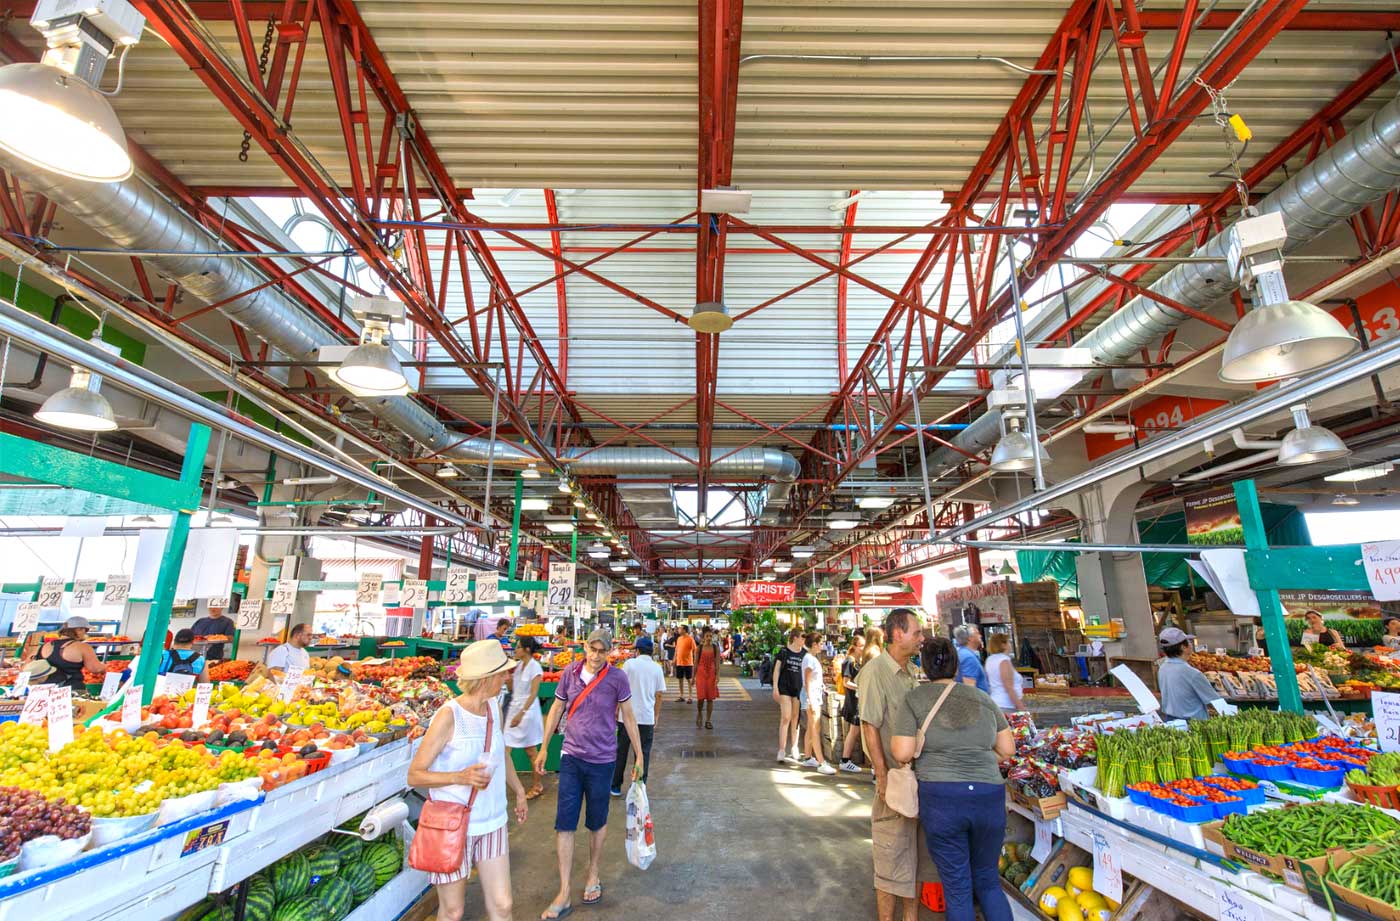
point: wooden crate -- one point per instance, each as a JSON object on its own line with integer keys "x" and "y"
{"x": 1039, "y": 620}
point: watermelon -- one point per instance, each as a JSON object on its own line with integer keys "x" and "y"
{"x": 347, "y": 846}
{"x": 324, "y": 861}
{"x": 291, "y": 876}
{"x": 337, "y": 895}
{"x": 262, "y": 899}
{"x": 385, "y": 860}
{"x": 360, "y": 876}
{"x": 302, "y": 908}
{"x": 208, "y": 910}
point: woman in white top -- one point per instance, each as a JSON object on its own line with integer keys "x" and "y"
{"x": 1005, "y": 681}
{"x": 455, "y": 759}
{"x": 812, "y": 684}
{"x": 525, "y": 721}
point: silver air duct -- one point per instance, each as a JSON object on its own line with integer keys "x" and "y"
{"x": 134, "y": 216}
{"x": 1360, "y": 169}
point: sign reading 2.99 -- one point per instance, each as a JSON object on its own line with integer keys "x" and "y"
{"x": 561, "y": 588}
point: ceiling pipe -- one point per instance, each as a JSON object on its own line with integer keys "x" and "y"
{"x": 1246, "y": 461}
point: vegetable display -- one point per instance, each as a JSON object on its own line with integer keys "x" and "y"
{"x": 1310, "y": 830}
{"x": 1376, "y": 874}
{"x": 26, "y": 815}
{"x": 1381, "y": 771}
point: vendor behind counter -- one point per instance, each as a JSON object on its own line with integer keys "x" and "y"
{"x": 1186, "y": 693}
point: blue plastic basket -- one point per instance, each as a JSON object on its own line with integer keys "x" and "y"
{"x": 1203, "y": 811}
{"x": 1238, "y": 765}
{"x": 1223, "y": 809}
{"x": 1254, "y": 796}
{"x": 1139, "y": 797}
{"x": 1272, "y": 771}
{"x": 1157, "y": 804}
{"x": 1328, "y": 778}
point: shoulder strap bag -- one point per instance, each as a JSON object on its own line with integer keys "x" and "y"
{"x": 441, "y": 840}
{"x": 901, "y": 784}
{"x": 588, "y": 689}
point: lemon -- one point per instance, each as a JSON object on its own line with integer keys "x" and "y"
{"x": 1081, "y": 879}
{"x": 1050, "y": 901}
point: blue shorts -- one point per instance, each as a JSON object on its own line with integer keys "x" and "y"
{"x": 582, "y": 784}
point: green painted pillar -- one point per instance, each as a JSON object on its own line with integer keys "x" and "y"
{"x": 1270, "y": 607}
{"x": 573, "y": 544}
{"x": 168, "y": 577}
{"x": 515, "y": 524}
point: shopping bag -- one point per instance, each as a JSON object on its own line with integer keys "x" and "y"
{"x": 641, "y": 840}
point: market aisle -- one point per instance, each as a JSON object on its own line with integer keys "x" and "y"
{"x": 734, "y": 830}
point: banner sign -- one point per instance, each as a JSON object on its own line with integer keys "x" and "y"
{"x": 1213, "y": 519}
{"x": 982, "y": 603}
{"x": 761, "y": 593}
{"x": 1330, "y": 603}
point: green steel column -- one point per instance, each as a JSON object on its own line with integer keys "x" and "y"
{"x": 1270, "y": 608}
{"x": 515, "y": 524}
{"x": 573, "y": 544}
{"x": 168, "y": 577}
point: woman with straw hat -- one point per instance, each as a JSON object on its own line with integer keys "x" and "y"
{"x": 464, "y": 751}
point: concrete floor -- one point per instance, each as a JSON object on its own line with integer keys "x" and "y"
{"x": 735, "y": 832}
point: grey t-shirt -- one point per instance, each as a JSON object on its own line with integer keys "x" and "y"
{"x": 1185, "y": 691}
{"x": 958, "y": 747}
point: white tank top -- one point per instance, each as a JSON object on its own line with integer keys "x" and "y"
{"x": 463, "y": 750}
{"x": 1000, "y": 696}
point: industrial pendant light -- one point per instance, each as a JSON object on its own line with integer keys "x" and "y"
{"x": 1343, "y": 499}
{"x": 447, "y": 471}
{"x": 710, "y": 317}
{"x": 79, "y": 406}
{"x": 530, "y": 473}
{"x": 855, "y": 574}
{"x": 371, "y": 365}
{"x": 1308, "y": 443}
{"x": 1006, "y": 569}
{"x": 1283, "y": 340}
{"x": 1016, "y": 450}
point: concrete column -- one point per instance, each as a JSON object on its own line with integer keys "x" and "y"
{"x": 1115, "y": 584}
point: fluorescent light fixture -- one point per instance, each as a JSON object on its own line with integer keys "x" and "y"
{"x": 79, "y": 406}
{"x": 1283, "y": 340}
{"x": 1343, "y": 499}
{"x": 509, "y": 197}
{"x": 875, "y": 502}
{"x": 710, "y": 317}
{"x": 559, "y": 525}
{"x": 618, "y": 567}
{"x": 534, "y": 504}
{"x": 802, "y": 553}
{"x": 447, "y": 471}
{"x": 842, "y": 523}
{"x": 530, "y": 473}
{"x": 725, "y": 201}
{"x": 578, "y": 502}
{"x": 592, "y": 515}
{"x": 325, "y": 480}
{"x": 598, "y": 551}
{"x": 1358, "y": 474}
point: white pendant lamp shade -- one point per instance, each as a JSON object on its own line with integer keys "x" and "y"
{"x": 1283, "y": 340}
{"x": 372, "y": 366}
{"x": 1016, "y": 451}
{"x": 58, "y": 122}
{"x": 530, "y": 473}
{"x": 1308, "y": 443}
{"x": 710, "y": 317}
{"x": 79, "y": 406}
{"x": 446, "y": 471}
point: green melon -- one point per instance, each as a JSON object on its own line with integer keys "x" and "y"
{"x": 291, "y": 876}
{"x": 360, "y": 876}
{"x": 208, "y": 910}
{"x": 385, "y": 860}
{"x": 347, "y": 846}
{"x": 262, "y": 899}
{"x": 337, "y": 895}
{"x": 324, "y": 861}
{"x": 302, "y": 908}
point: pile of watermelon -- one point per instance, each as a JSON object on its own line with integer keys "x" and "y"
{"x": 323, "y": 881}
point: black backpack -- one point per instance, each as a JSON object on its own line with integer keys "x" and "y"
{"x": 180, "y": 665}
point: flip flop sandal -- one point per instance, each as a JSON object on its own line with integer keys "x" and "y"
{"x": 709, "y": 725}
{"x": 555, "y": 912}
{"x": 594, "y": 901}
{"x": 534, "y": 793}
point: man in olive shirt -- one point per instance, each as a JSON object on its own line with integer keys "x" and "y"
{"x": 883, "y": 683}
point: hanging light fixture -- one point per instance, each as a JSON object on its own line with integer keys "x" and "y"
{"x": 530, "y": 473}
{"x": 79, "y": 406}
{"x": 143, "y": 519}
{"x": 447, "y": 471}
{"x": 578, "y": 502}
{"x": 1283, "y": 340}
{"x": 824, "y": 590}
{"x": 1006, "y": 569}
{"x": 842, "y": 522}
{"x": 1343, "y": 499}
{"x": 710, "y": 317}
{"x": 1308, "y": 443}
{"x": 855, "y": 574}
{"x": 563, "y": 485}
{"x": 371, "y": 365}
{"x": 51, "y": 113}
{"x": 598, "y": 551}
{"x": 1015, "y": 452}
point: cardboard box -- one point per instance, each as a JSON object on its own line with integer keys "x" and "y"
{"x": 1044, "y": 808}
{"x": 1360, "y": 905}
{"x": 1055, "y": 872}
{"x": 1289, "y": 869}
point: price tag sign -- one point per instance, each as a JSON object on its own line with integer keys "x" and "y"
{"x": 20, "y": 685}
{"x": 117, "y": 590}
{"x": 60, "y": 717}
{"x": 111, "y": 683}
{"x": 391, "y": 595}
{"x": 560, "y": 600}
{"x": 1231, "y": 905}
{"x": 26, "y": 617}
{"x": 218, "y": 603}
{"x": 291, "y": 682}
{"x": 84, "y": 593}
{"x": 1382, "y": 562}
{"x": 1044, "y": 840}
{"x": 458, "y": 587}
{"x": 1108, "y": 875}
{"x": 131, "y": 708}
{"x": 367, "y": 592}
{"x": 36, "y": 705}
{"x": 488, "y": 587}
{"x": 415, "y": 593}
{"x": 51, "y": 593}
{"x": 284, "y": 597}
{"x": 202, "y": 695}
{"x": 1386, "y": 708}
{"x": 250, "y": 614}
{"x": 175, "y": 685}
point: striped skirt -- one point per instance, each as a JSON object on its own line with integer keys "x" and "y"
{"x": 479, "y": 849}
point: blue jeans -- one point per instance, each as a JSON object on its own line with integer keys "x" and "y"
{"x": 583, "y": 785}
{"x": 964, "y": 827}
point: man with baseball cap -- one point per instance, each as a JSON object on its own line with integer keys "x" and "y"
{"x": 596, "y": 697}
{"x": 648, "y": 684}
{"x": 1186, "y": 693}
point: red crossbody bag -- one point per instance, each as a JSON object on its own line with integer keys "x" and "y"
{"x": 441, "y": 840}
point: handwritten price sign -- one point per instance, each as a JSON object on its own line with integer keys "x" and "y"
{"x": 367, "y": 592}
{"x": 1382, "y": 562}
{"x": 488, "y": 587}
{"x": 561, "y": 588}
{"x": 51, "y": 593}
{"x": 458, "y": 589}
{"x": 415, "y": 593}
{"x": 1386, "y": 708}
{"x": 117, "y": 590}
{"x": 84, "y": 593}
{"x": 1108, "y": 875}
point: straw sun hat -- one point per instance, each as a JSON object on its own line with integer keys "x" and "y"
{"x": 483, "y": 659}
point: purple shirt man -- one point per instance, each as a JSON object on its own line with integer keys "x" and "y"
{"x": 591, "y": 733}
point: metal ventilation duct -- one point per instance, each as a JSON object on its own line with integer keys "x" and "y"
{"x": 1360, "y": 169}
{"x": 134, "y": 216}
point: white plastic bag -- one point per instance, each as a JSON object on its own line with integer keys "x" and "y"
{"x": 641, "y": 839}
